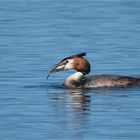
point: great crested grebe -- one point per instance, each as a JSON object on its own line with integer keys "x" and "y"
{"x": 80, "y": 80}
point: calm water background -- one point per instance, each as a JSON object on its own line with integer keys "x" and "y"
{"x": 36, "y": 35}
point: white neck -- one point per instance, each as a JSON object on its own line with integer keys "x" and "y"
{"x": 76, "y": 77}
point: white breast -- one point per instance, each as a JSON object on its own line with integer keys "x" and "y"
{"x": 76, "y": 77}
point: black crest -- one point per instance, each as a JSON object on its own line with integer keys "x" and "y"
{"x": 75, "y": 55}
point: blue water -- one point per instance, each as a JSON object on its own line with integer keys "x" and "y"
{"x": 34, "y": 35}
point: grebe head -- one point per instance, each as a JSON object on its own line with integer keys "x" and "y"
{"x": 76, "y": 62}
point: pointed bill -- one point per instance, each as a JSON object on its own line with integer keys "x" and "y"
{"x": 58, "y": 67}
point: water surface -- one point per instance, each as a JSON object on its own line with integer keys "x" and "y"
{"x": 36, "y": 35}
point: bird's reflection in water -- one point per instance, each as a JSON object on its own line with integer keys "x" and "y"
{"x": 77, "y": 100}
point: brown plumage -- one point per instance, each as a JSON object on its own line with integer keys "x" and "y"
{"x": 81, "y": 64}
